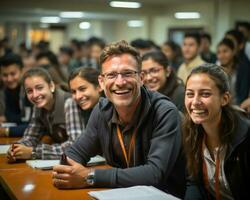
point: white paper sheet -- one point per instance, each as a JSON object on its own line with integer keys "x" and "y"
{"x": 132, "y": 193}
{"x": 4, "y": 148}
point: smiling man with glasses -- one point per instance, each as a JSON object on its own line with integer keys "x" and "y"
{"x": 136, "y": 130}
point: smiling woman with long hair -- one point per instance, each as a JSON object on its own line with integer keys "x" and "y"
{"x": 216, "y": 138}
{"x": 48, "y": 120}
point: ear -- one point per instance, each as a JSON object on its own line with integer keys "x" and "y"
{"x": 52, "y": 87}
{"x": 225, "y": 99}
{"x": 101, "y": 82}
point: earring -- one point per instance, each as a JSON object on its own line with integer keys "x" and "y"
{"x": 52, "y": 90}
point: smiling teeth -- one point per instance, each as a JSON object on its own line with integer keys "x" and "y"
{"x": 198, "y": 111}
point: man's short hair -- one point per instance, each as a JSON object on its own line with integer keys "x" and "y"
{"x": 119, "y": 48}
{"x": 10, "y": 59}
{"x": 207, "y": 36}
{"x": 195, "y": 36}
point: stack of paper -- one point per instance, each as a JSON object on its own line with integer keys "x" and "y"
{"x": 132, "y": 193}
{"x": 49, "y": 164}
{"x": 4, "y": 148}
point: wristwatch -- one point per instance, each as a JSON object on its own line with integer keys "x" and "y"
{"x": 33, "y": 155}
{"x": 90, "y": 178}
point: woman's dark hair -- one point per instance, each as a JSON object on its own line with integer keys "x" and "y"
{"x": 227, "y": 42}
{"x": 193, "y": 133}
{"x": 37, "y": 71}
{"x": 156, "y": 56}
{"x": 88, "y": 73}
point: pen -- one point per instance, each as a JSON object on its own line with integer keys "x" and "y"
{"x": 63, "y": 160}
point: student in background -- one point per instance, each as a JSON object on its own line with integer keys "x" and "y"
{"x": 85, "y": 90}
{"x": 15, "y": 107}
{"x": 48, "y": 119}
{"x": 159, "y": 76}
{"x": 216, "y": 138}
{"x": 206, "y": 54}
{"x": 191, "y": 55}
{"x": 136, "y": 130}
{"x": 239, "y": 74}
{"x": 173, "y": 53}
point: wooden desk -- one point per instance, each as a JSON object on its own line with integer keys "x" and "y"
{"x": 23, "y": 182}
{"x": 9, "y": 140}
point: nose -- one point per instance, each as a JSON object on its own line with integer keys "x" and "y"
{"x": 78, "y": 95}
{"x": 197, "y": 100}
{"x": 120, "y": 80}
{"x": 9, "y": 78}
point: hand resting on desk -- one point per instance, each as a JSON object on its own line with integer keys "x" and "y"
{"x": 18, "y": 152}
{"x": 70, "y": 176}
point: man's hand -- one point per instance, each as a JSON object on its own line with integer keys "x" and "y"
{"x": 70, "y": 176}
{"x": 246, "y": 105}
{"x": 18, "y": 151}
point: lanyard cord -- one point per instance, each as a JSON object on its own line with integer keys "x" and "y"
{"x": 217, "y": 172}
{"x": 131, "y": 144}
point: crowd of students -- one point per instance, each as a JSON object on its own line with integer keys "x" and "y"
{"x": 168, "y": 117}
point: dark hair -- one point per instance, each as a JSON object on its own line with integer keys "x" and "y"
{"x": 119, "y": 48}
{"x": 193, "y": 133}
{"x": 96, "y": 41}
{"x": 156, "y": 56}
{"x": 66, "y": 50}
{"x": 141, "y": 44}
{"x": 50, "y": 56}
{"x": 244, "y": 24}
{"x": 10, "y": 59}
{"x": 207, "y": 36}
{"x": 239, "y": 37}
{"x": 88, "y": 73}
{"x": 37, "y": 71}
{"x": 195, "y": 36}
{"x": 227, "y": 42}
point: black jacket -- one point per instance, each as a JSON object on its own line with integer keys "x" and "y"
{"x": 159, "y": 136}
{"x": 236, "y": 167}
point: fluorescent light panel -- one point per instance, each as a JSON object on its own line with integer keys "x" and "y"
{"x": 135, "y": 23}
{"x": 50, "y": 20}
{"x": 71, "y": 14}
{"x": 84, "y": 25}
{"x": 125, "y": 4}
{"x": 187, "y": 15}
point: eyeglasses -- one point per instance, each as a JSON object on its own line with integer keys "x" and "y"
{"x": 152, "y": 71}
{"x": 125, "y": 74}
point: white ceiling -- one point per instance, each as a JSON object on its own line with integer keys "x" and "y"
{"x": 32, "y": 10}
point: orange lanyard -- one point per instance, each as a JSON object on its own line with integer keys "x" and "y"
{"x": 217, "y": 173}
{"x": 131, "y": 145}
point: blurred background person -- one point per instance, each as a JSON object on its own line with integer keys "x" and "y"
{"x": 173, "y": 52}
{"x": 159, "y": 76}
{"x": 205, "y": 51}
{"x": 239, "y": 75}
{"x": 191, "y": 55}
{"x": 15, "y": 106}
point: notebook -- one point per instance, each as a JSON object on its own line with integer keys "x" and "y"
{"x": 4, "y": 148}
{"x": 132, "y": 193}
{"x": 49, "y": 164}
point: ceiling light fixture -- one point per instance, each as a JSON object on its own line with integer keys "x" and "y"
{"x": 84, "y": 25}
{"x": 125, "y": 4}
{"x": 71, "y": 14}
{"x": 187, "y": 15}
{"x": 50, "y": 19}
{"x": 135, "y": 23}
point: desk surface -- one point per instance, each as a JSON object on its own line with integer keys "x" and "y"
{"x": 20, "y": 181}
{"x": 9, "y": 140}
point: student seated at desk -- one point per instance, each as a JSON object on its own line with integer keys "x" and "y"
{"x": 216, "y": 138}
{"x": 48, "y": 119}
{"x": 137, "y": 131}
{"x": 85, "y": 90}
{"x": 15, "y": 107}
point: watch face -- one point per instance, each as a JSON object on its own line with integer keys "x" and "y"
{"x": 33, "y": 155}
